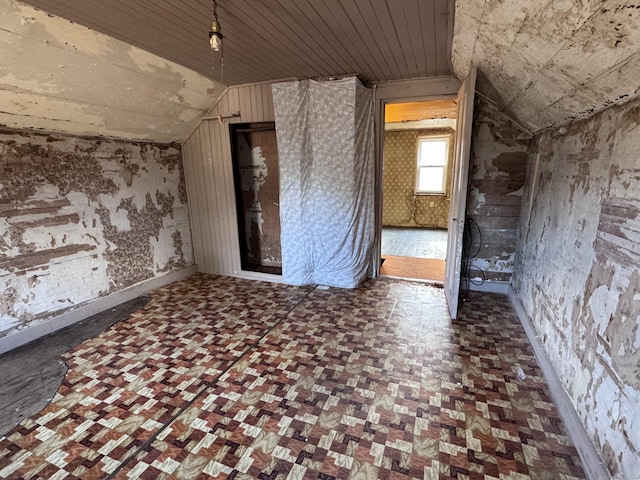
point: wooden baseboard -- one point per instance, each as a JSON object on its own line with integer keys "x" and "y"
{"x": 591, "y": 461}
{"x": 71, "y": 316}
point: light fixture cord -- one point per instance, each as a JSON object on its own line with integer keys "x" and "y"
{"x": 222, "y": 63}
{"x": 215, "y": 17}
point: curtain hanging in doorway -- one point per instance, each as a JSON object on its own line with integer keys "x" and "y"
{"x": 325, "y": 140}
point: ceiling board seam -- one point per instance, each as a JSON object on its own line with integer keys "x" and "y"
{"x": 321, "y": 31}
{"x": 398, "y": 42}
{"x": 386, "y": 40}
{"x": 360, "y": 61}
{"x": 450, "y": 27}
{"x": 329, "y": 61}
{"x": 365, "y": 42}
{"x": 301, "y": 55}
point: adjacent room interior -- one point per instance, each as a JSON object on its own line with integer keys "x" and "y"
{"x": 417, "y": 160}
{"x": 196, "y": 198}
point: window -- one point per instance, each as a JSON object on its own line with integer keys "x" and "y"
{"x": 431, "y": 173}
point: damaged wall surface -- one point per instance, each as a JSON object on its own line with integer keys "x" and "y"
{"x": 81, "y": 218}
{"x": 549, "y": 62}
{"x": 59, "y": 76}
{"x": 499, "y": 153}
{"x": 577, "y": 273}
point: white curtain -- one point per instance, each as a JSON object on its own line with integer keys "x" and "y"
{"x": 325, "y": 139}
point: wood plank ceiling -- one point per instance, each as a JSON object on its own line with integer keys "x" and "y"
{"x": 275, "y": 39}
{"x": 544, "y": 63}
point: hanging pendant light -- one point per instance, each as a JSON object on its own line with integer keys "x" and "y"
{"x": 215, "y": 38}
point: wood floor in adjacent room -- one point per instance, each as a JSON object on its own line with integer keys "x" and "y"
{"x": 414, "y": 253}
{"x": 218, "y": 377}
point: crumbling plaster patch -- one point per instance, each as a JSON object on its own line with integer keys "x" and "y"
{"x": 577, "y": 273}
{"x": 60, "y": 76}
{"x": 84, "y": 217}
{"x": 499, "y": 159}
{"x": 548, "y": 63}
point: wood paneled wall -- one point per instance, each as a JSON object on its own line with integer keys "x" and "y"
{"x": 209, "y": 174}
{"x": 499, "y": 156}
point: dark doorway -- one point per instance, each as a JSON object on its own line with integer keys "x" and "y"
{"x": 257, "y": 189}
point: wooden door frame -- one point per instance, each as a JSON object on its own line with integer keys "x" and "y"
{"x": 399, "y": 92}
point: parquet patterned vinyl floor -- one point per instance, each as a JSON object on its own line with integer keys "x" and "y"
{"x": 226, "y": 378}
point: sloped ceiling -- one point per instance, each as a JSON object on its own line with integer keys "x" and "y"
{"x": 59, "y": 76}
{"x": 276, "y": 39}
{"x": 548, "y": 62}
{"x": 543, "y": 62}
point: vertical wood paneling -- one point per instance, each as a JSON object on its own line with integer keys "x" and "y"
{"x": 442, "y": 42}
{"x": 225, "y": 213}
{"x": 231, "y": 246}
{"x": 193, "y": 202}
{"x": 210, "y": 184}
{"x": 207, "y": 155}
{"x": 223, "y": 105}
{"x": 245, "y": 104}
{"x": 234, "y": 100}
{"x": 199, "y": 194}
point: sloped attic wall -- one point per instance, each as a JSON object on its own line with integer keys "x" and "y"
{"x": 549, "y": 62}
{"x": 56, "y": 75}
{"x": 80, "y": 219}
{"x": 577, "y": 273}
{"x": 499, "y": 153}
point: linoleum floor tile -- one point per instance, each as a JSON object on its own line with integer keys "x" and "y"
{"x": 278, "y": 382}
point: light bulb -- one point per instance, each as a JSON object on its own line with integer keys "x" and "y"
{"x": 216, "y": 42}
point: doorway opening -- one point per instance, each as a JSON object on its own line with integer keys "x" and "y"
{"x": 257, "y": 191}
{"x": 418, "y": 161}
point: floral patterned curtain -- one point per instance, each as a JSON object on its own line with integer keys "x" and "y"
{"x": 325, "y": 139}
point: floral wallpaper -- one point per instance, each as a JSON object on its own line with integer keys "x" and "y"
{"x": 401, "y": 207}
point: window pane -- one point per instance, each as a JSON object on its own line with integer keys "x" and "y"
{"x": 432, "y": 152}
{"x": 430, "y": 179}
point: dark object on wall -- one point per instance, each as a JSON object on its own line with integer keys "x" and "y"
{"x": 257, "y": 186}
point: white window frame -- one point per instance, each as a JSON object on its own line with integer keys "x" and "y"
{"x": 431, "y": 138}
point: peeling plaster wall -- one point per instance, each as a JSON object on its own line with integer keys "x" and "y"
{"x": 81, "y": 218}
{"x": 549, "y": 62}
{"x": 401, "y": 207}
{"x": 59, "y": 76}
{"x": 499, "y": 161}
{"x": 577, "y": 273}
